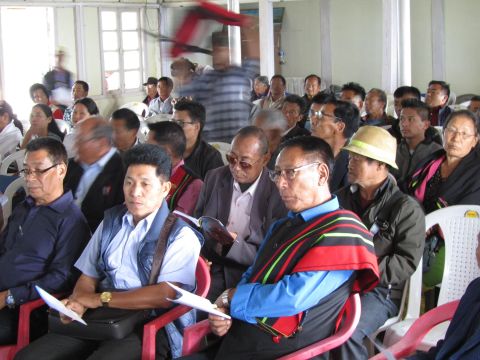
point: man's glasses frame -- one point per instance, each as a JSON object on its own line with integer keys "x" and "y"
{"x": 289, "y": 174}
{"x": 36, "y": 172}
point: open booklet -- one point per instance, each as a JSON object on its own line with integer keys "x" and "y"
{"x": 56, "y": 304}
{"x": 195, "y": 301}
{"x": 211, "y": 227}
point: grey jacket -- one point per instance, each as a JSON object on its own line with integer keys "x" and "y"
{"x": 398, "y": 238}
{"x": 407, "y": 162}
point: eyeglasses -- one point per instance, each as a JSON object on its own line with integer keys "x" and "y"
{"x": 182, "y": 123}
{"x": 288, "y": 174}
{"x": 463, "y": 135}
{"x": 320, "y": 114}
{"x": 232, "y": 160}
{"x": 36, "y": 172}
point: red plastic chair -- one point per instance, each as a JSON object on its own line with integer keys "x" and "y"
{"x": 193, "y": 336}
{"x": 150, "y": 329}
{"x": 7, "y": 352}
{"x": 414, "y": 336}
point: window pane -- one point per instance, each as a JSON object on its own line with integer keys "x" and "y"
{"x": 110, "y": 40}
{"x": 113, "y": 80}
{"x": 129, "y": 20}
{"x": 131, "y": 60}
{"x": 130, "y": 40}
{"x": 109, "y": 20}
{"x": 111, "y": 60}
{"x": 132, "y": 79}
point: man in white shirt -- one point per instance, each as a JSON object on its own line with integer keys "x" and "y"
{"x": 117, "y": 262}
{"x": 242, "y": 196}
{"x": 163, "y": 103}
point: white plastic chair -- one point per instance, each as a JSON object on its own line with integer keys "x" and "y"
{"x": 17, "y": 157}
{"x": 9, "y": 192}
{"x": 137, "y": 107}
{"x": 63, "y": 126}
{"x": 460, "y": 225}
{"x": 223, "y": 148}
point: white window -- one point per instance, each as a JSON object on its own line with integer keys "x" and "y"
{"x": 121, "y": 49}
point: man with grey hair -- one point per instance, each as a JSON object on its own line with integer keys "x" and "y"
{"x": 260, "y": 88}
{"x": 274, "y": 125}
{"x": 96, "y": 175}
{"x": 375, "y": 105}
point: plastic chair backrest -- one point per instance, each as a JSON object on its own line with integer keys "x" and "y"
{"x": 137, "y": 107}
{"x": 63, "y": 126}
{"x": 223, "y": 149}
{"x": 9, "y": 192}
{"x": 202, "y": 274}
{"x": 17, "y": 157}
{"x": 460, "y": 225}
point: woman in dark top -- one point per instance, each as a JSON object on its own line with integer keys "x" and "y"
{"x": 42, "y": 124}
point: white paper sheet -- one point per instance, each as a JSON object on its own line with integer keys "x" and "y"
{"x": 196, "y": 302}
{"x": 191, "y": 218}
{"x": 56, "y": 304}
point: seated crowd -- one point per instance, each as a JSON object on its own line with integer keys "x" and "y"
{"x": 322, "y": 195}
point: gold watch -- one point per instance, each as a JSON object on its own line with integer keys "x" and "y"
{"x": 105, "y": 298}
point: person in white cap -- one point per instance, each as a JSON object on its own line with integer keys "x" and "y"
{"x": 396, "y": 221}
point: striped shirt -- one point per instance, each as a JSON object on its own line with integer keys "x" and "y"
{"x": 226, "y": 97}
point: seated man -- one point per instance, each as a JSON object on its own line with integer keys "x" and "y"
{"x": 307, "y": 265}
{"x": 396, "y": 221}
{"x": 293, "y": 109}
{"x": 375, "y": 106}
{"x": 186, "y": 185}
{"x": 163, "y": 103}
{"x": 416, "y": 145}
{"x": 335, "y": 122}
{"x": 436, "y": 98}
{"x": 311, "y": 86}
{"x": 95, "y": 176}
{"x": 474, "y": 105}
{"x": 244, "y": 199}
{"x": 44, "y": 236}
{"x": 276, "y": 95}
{"x": 199, "y": 155}
{"x": 125, "y": 239}
{"x": 462, "y": 339}
{"x": 354, "y": 93}
{"x": 125, "y": 126}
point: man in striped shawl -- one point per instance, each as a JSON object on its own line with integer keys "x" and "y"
{"x": 307, "y": 266}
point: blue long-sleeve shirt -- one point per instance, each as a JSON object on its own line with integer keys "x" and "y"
{"x": 39, "y": 247}
{"x": 294, "y": 293}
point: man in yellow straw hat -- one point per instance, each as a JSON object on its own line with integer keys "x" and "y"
{"x": 396, "y": 221}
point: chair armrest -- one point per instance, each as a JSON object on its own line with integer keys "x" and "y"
{"x": 419, "y": 329}
{"x": 151, "y": 328}
{"x": 193, "y": 336}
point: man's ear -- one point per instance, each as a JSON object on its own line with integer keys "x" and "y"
{"x": 324, "y": 174}
{"x": 166, "y": 186}
{"x": 340, "y": 126}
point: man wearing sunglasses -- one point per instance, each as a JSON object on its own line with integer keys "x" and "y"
{"x": 307, "y": 266}
{"x": 44, "y": 236}
{"x": 244, "y": 199}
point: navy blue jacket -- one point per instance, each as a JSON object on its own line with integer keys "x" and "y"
{"x": 39, "y": 247}
{"x": 462, "y": 340}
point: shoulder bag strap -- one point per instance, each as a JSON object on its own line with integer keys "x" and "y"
{"x": 160, "y": 249}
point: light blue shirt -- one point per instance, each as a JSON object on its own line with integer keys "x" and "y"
{"x": 294, "y": 293}
{"x": 157, "y": 106}
{"x": 90, "y": 173}
{"x": 179, "y": 262}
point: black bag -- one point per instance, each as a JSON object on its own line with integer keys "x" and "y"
{"x": 106, "y": 323}
{"x": 430, "y": 251}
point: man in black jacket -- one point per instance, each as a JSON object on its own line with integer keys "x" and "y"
{"x": 396, "y": 221}
{"x": 96, "y": 175}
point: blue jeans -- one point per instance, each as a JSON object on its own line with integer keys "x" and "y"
{"x": 376, "y": 309}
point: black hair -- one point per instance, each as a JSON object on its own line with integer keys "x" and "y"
{"x": 168, "y": 133}
{"x": 313, "y": 76}
{"x": 253, "y": 131}
{"x": 382, "y": 96}
{"x": 419, "y": 106}
{"x": 466, "y": 113}
{"x": 55, "y": 149}
{"x": 347, "y": 113}
{"x": 147, "y": 154}
{"x": 475, "y": 98}
{"x": 89, "y": 104}
{"x": 196, "y": 111}
{"x": 445, "y": 87}
{"x": 36, "y": 87}
{"x": 278, "y": 76}
{"x": 312, "y": 146}
{"x": 407, "y": 90}
{"x": 84, "y": 85}
{"x": 295, "y": 99}
{"x": 166, "y": 80}
{"x": 6, "y": 108}
{"x": 356, "y": 88}
{"x": 130, "y": 118}
{"x": 322, "y": 98}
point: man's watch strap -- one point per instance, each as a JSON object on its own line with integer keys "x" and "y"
{"x": 224, "y": 297}
{"x": 10, "y": 300}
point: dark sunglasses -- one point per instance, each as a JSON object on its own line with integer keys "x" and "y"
{"x": 243, "y": 164}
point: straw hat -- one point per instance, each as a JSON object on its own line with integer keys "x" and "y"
{"x": 375, "y": 143}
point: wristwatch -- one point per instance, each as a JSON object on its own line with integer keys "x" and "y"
{"x": 9, "y": 300}
{"x": 105, "y": 298}
{"x": 224, "y": 297}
